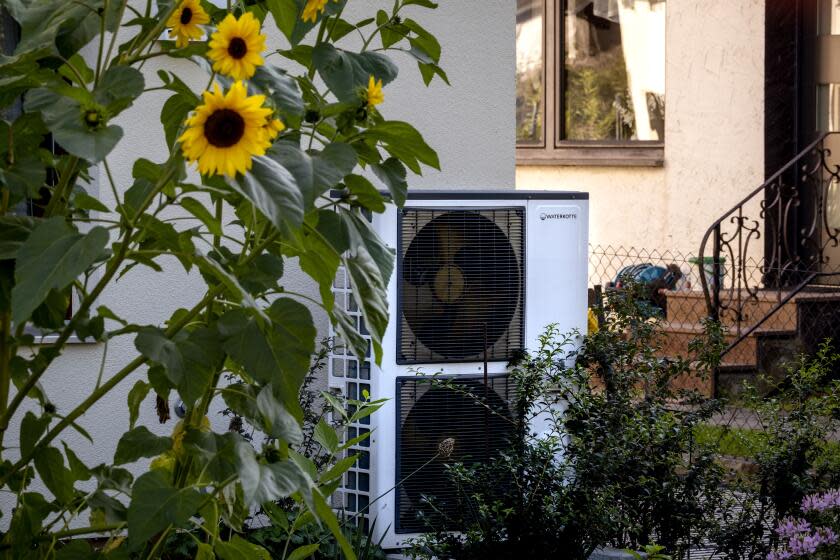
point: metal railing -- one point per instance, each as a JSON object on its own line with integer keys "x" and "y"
{"x": 784, "y": 225}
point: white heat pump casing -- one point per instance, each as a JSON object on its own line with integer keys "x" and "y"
{"x": 556, "y": 242}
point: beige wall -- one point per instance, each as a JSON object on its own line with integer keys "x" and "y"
{"x": 714, "y": 135}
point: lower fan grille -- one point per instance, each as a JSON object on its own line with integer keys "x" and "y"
{"x": 442, "y": 421}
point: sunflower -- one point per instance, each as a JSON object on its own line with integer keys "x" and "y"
{"x": 236, "y": 46}
{"x": 312, "y": 9}
{"x": 226, "y": 131}
{"x": 373, "y": 94}
{"x": 184, "y": 22}
{"x": 273, "y": 126}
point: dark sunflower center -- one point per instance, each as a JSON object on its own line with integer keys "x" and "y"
{"x": 186, "y": 16}
{"x": 237, "y": 47}
{"x": 224, "y": 128}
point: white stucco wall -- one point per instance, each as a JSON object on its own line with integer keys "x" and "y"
{"x": 470, "y": 124}
{"x": 714, "y": 135}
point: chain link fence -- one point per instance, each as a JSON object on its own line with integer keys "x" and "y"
{"x": 765, "y": 335}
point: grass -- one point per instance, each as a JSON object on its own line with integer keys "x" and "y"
{"x": 736, "y": 442}
{"x": 741, "y": 442}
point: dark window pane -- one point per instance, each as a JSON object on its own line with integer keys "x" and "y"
{"x": 614, "y": 70}
{"x": 529, "y": 71}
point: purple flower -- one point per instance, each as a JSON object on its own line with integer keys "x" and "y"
{"x": 789, "y": 527}
{"x": 821, "y": 502}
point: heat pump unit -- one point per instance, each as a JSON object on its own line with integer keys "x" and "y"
{"x": 479, "y": 276}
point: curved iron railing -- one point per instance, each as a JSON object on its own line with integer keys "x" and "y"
{"x": 789, "y": 213}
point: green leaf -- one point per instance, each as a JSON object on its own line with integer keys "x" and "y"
{"x": 423, "y": 3}
{"x": 341, "y": 466}
{"x": 304, "y": 551}
{"x": 118, "y": 88}
{"x": 277, "y": 421}
{"x": 425, "y": 40}
{"x": 173, "y": 114}
{"x": 393, "y": 174}
{"x": 59, "y": 480}
{"x": 138, "y": 443}
{"x": 31, "y": 429}
{"x": 78, "y": 470}
{"x": 364, "y": 193}
{"x": 53, "y": 256}
{"x": 286, "y": 14}
{"x": 331, "y": 165}
{"x": 216, "y": 452}
{"x": 326, "y": 436}
{"x": 347, "y": 73}
{"x": 273, "y": 190}
{"x": 279, "y": 356}
{"x": 239, "y": 549}
{"x": 64, "y": 117}
{"x": 55, "y": 26}
{"x": 24, "y": 177}
{"x": 135, "y": 398}
{"x": 389, "y": 33}
{"x": 369, "y": 265}
{"x": 189, "y": 360}
{"x": 299, "y": 165}
{"x": 83, "y": 201}
{"x": 204, "y": 552}
{"x": 263, "y": 483}
{"x": 293, "y": 340}
{"x": 327, "y": 516}
{"x": 403, "y": 142}
{"x": 13, "y": 232}
{"x": 281, "y": 88}
{"x": 198, "y": 210}
{"x": 156, "y": 504}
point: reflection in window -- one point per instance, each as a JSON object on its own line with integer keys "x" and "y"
{"x": 529, "y": 71}
{"x": 614, "y": 70}
{"x": 829, "y": 17}
{"x": 828, "y": 107}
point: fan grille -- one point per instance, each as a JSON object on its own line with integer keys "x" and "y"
{"x": 442, "y": 421}
{"x": 462, "y": 289}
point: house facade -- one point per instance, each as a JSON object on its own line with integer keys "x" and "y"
{"x": 703, "y": 132}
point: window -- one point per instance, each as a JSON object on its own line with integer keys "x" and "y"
{"x": 590, "y": 82}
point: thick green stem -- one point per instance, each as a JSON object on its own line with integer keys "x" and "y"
{"x": 5, "y": 359}
{"x": 64, "y": 182}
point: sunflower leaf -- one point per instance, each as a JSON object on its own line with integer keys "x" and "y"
{"x": 64, "y": 117}
{"x": 273, "y": 190}
{"x": 52, "y": 257}
{"x": 346, "y": 73}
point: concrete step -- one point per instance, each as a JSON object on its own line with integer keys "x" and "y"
{"x": 676, "y": 338}
{"x": 689, "y": 306}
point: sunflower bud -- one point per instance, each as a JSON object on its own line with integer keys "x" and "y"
{"x": 94, "y": 117}
{"x": 312, "y": 116}
{"x": 446, "y": 447}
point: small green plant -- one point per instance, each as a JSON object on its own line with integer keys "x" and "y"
{"x": 651, "y": 552}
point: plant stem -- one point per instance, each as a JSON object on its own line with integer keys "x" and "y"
{"x": 5, "y": 359}
{"x": 63, "y": 182}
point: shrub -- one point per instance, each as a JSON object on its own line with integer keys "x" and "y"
{"x": 615, "y": 463}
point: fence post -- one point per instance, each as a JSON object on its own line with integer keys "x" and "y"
{"x": 715, "y": 274}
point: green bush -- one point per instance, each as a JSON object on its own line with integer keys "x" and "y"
{"x": 617, "y": 465}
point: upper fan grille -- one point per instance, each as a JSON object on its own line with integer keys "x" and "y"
{"x": 461, "y": 284}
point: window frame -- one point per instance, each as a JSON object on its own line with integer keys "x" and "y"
{"x": 553, "y": 149}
